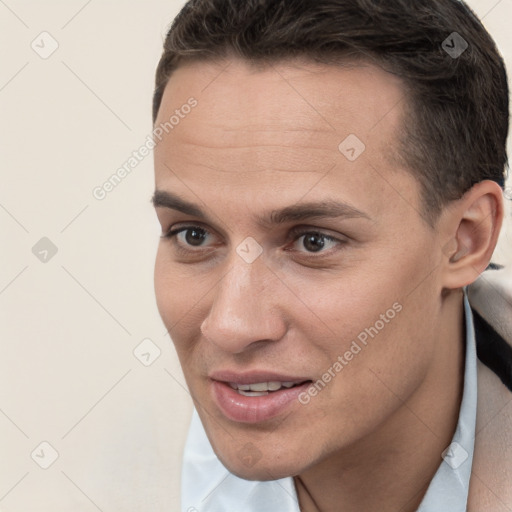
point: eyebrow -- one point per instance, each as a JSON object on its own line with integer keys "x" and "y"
{"x": 298, "y": 212}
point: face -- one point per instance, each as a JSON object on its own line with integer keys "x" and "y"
{"x": 295, "y": 258}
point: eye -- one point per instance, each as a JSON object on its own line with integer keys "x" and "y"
{"x": 186, "y": 238}
{"x": 192, "y": 236}
{"x": 315, "y": 241}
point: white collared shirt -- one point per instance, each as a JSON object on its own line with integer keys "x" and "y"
{"x": 207, "y": 486}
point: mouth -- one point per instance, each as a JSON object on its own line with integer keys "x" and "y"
{"x": 263, "y": 388}
{"x": 256, "y": 397}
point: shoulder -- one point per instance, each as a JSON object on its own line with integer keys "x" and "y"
{"x": 491, "y": 301}
{"x": 490, "y": 297}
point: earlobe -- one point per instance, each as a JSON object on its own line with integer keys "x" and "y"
{"x": 475, "y": 225}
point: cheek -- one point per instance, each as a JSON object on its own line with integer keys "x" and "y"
{"x": 371, "y": 319}
{"x": 177, "y": 296}
{"x": 165, "y": 287}
{"x": 341, "y": 306}
{"x": 182, "y": 295}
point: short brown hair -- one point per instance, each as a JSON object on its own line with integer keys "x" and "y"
{"x": 456, "y": 130}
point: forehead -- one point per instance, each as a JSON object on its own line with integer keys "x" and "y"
{"x": 264, "y": 127}
{"x": 312, "y": 98}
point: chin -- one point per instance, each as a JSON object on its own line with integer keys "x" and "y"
{"x": 259, "y": 471}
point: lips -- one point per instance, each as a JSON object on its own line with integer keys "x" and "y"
{"x": 254, "y": 397}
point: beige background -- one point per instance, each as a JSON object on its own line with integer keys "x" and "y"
{"x": 69, "y": 326}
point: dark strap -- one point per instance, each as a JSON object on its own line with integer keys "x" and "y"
{"x": 493, "y": 350}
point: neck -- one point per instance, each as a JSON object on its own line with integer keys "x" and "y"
{"x": 391, "y": 469}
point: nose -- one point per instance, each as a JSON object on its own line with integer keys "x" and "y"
{"x": 245, "y": 308}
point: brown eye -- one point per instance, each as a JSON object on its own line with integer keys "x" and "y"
{"x": 314, "y": 242}
{"x": 194, "y": 236}
{"x": 191, "y": 236}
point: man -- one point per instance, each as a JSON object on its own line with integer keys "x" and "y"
{"x": 329, "y": 182}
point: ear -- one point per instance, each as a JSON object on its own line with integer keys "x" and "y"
{"x": 473, "y": 225}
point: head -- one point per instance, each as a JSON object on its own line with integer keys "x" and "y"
{"x": 335, "y": 185}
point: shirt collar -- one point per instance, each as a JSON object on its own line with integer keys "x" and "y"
{"x": 207, "y": 486}
{"x": 449, "y": 488}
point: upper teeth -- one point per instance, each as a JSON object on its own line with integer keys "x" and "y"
{"x": 262, "y": 386}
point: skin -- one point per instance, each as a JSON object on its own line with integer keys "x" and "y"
{"x": 265, "y": 138}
